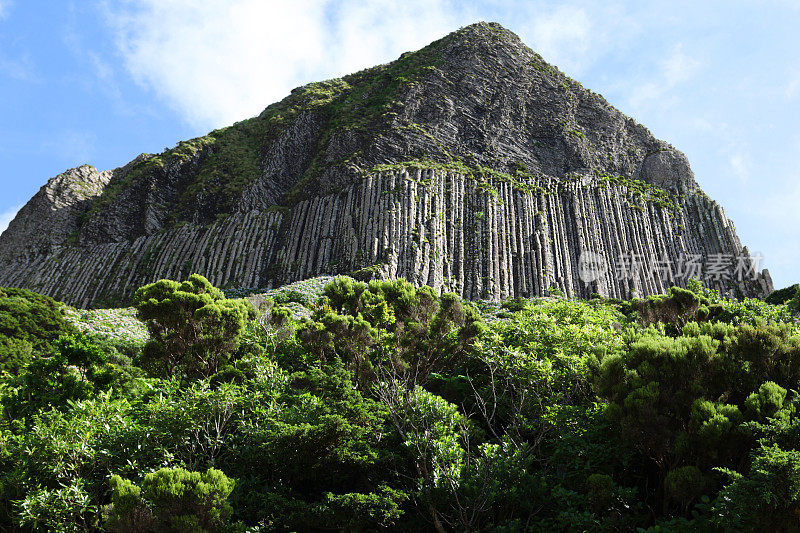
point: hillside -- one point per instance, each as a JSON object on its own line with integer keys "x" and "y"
{"x": 470, "y": 165}
{"x": 343, "y": 406}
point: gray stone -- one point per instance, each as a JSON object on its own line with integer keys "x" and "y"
{"x": 515, "y": 171}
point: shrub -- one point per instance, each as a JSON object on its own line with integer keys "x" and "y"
{"x": 678, "y": 307}
{"x": 29, "y": 322}
{"x": 767, "y": 498}
{"x": 194, "y": 328}
{"x": 782, "y": 296}
{"x": 767, "y": 402}
{"x": 171, "y": 500}
{"x": 794, "y": 303}
{"x": 601, "y": 489}
{"x": 685, "y": 484}
{"x": 64, "y": 510}
{"x": 411, "y": 331}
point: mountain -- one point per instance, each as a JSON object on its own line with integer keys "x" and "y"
{"x": 470, "y": 165}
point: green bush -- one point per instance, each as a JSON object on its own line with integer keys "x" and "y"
{"x": 686, "y": 484}
{"x": 767, "y": 498}
{"x": 29, "y": 323}
{"x": 767, "y": 402}
{"x": 794, "y": 303}
{"x": 393, "y": 407}
{"x": 390, "y": 325}
{"x": 194, "y": 328}
{"x": 65, "y": 510}
{"x": 171, "y": 500}
{"x": 75, "y": 369}
{"x": 782, "y": 296}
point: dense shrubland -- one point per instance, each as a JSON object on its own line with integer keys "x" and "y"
{"x": 392, "y": 407}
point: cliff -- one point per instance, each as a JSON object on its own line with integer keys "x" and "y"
{"x": 470, "y": 165}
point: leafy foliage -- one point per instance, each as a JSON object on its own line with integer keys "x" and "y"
{"x": 389, "y": 406}
{"x": 781, "y": 296}
{"x": 794, "y": 303}
{"x": 171, "y": 500}
{"x": 768, "y": 497}
{"x": 390, "y": 326}
{"x": 29, "y": 322}
{"x": 194, "y": 328}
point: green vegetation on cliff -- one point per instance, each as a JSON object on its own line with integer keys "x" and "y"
{"x": 392, "y": 407}
{"x": 522, "y": 180}
{"x": 326, "y": 134}
{"x": 230, "y": 158}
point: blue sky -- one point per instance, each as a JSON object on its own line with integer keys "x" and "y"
{"x": 99, "y": 82}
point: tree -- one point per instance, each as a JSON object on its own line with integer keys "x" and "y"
{"x": 409, "y": 330}
{"x": 194, "y": 328}
{"x": 171, "y": 500}
{"x": 794, "y": 303}
{"x": 274, "y": 321}
{"x": 459, "y": 481}
{"x": 30, "y": 323}
{"x": 767, "y": 498}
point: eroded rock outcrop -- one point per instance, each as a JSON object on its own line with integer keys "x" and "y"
{"x": 470, "y": 165}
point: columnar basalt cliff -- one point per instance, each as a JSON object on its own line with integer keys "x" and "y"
{"x": 470, "y": 165}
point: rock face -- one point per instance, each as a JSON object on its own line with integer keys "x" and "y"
{"x": 470, "y": 165}
{"x": 51, "y": 217}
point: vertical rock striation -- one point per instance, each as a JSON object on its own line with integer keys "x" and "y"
{"x": 479, "y": 239}
{"x": 471, "y": 165}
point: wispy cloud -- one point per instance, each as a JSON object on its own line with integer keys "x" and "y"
{"x": 792, "y": 87}
{"x": 739, "y": 166}
{"x": 104, "y": 77}
{"x": 563, "y": 37}
{"x": 7, "y": 216}
{"x": 677, "y": 68}
{"x": 734, "y": 148}
{"x": 5, "y": 6}
{"x": 186, "y": 51}
{"x": 19, "y": 69}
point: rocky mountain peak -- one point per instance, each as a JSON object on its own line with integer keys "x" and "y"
{"x": 471, "y": 165}
{"x": 482, "y": 40}
{"x": 52, "y": 217}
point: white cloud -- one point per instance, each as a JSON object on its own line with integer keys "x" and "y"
{"x": 679, "y": 66}
{"x": 563, "y": 37}
{"x": 701, "y": 124}
{"x": 676, "y": 69}
{"x": 7, "y": 216}
{"x": 217, "y": 61}
{"x": 20, "y": 68}
{"x": 734, "y": 147}
{"x": 739, "y": 166}
{"x": 5, "y": 5}
{"x": 731, "y": 148}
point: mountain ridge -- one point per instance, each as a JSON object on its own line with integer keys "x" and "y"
{"x": 477, "y": 103}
